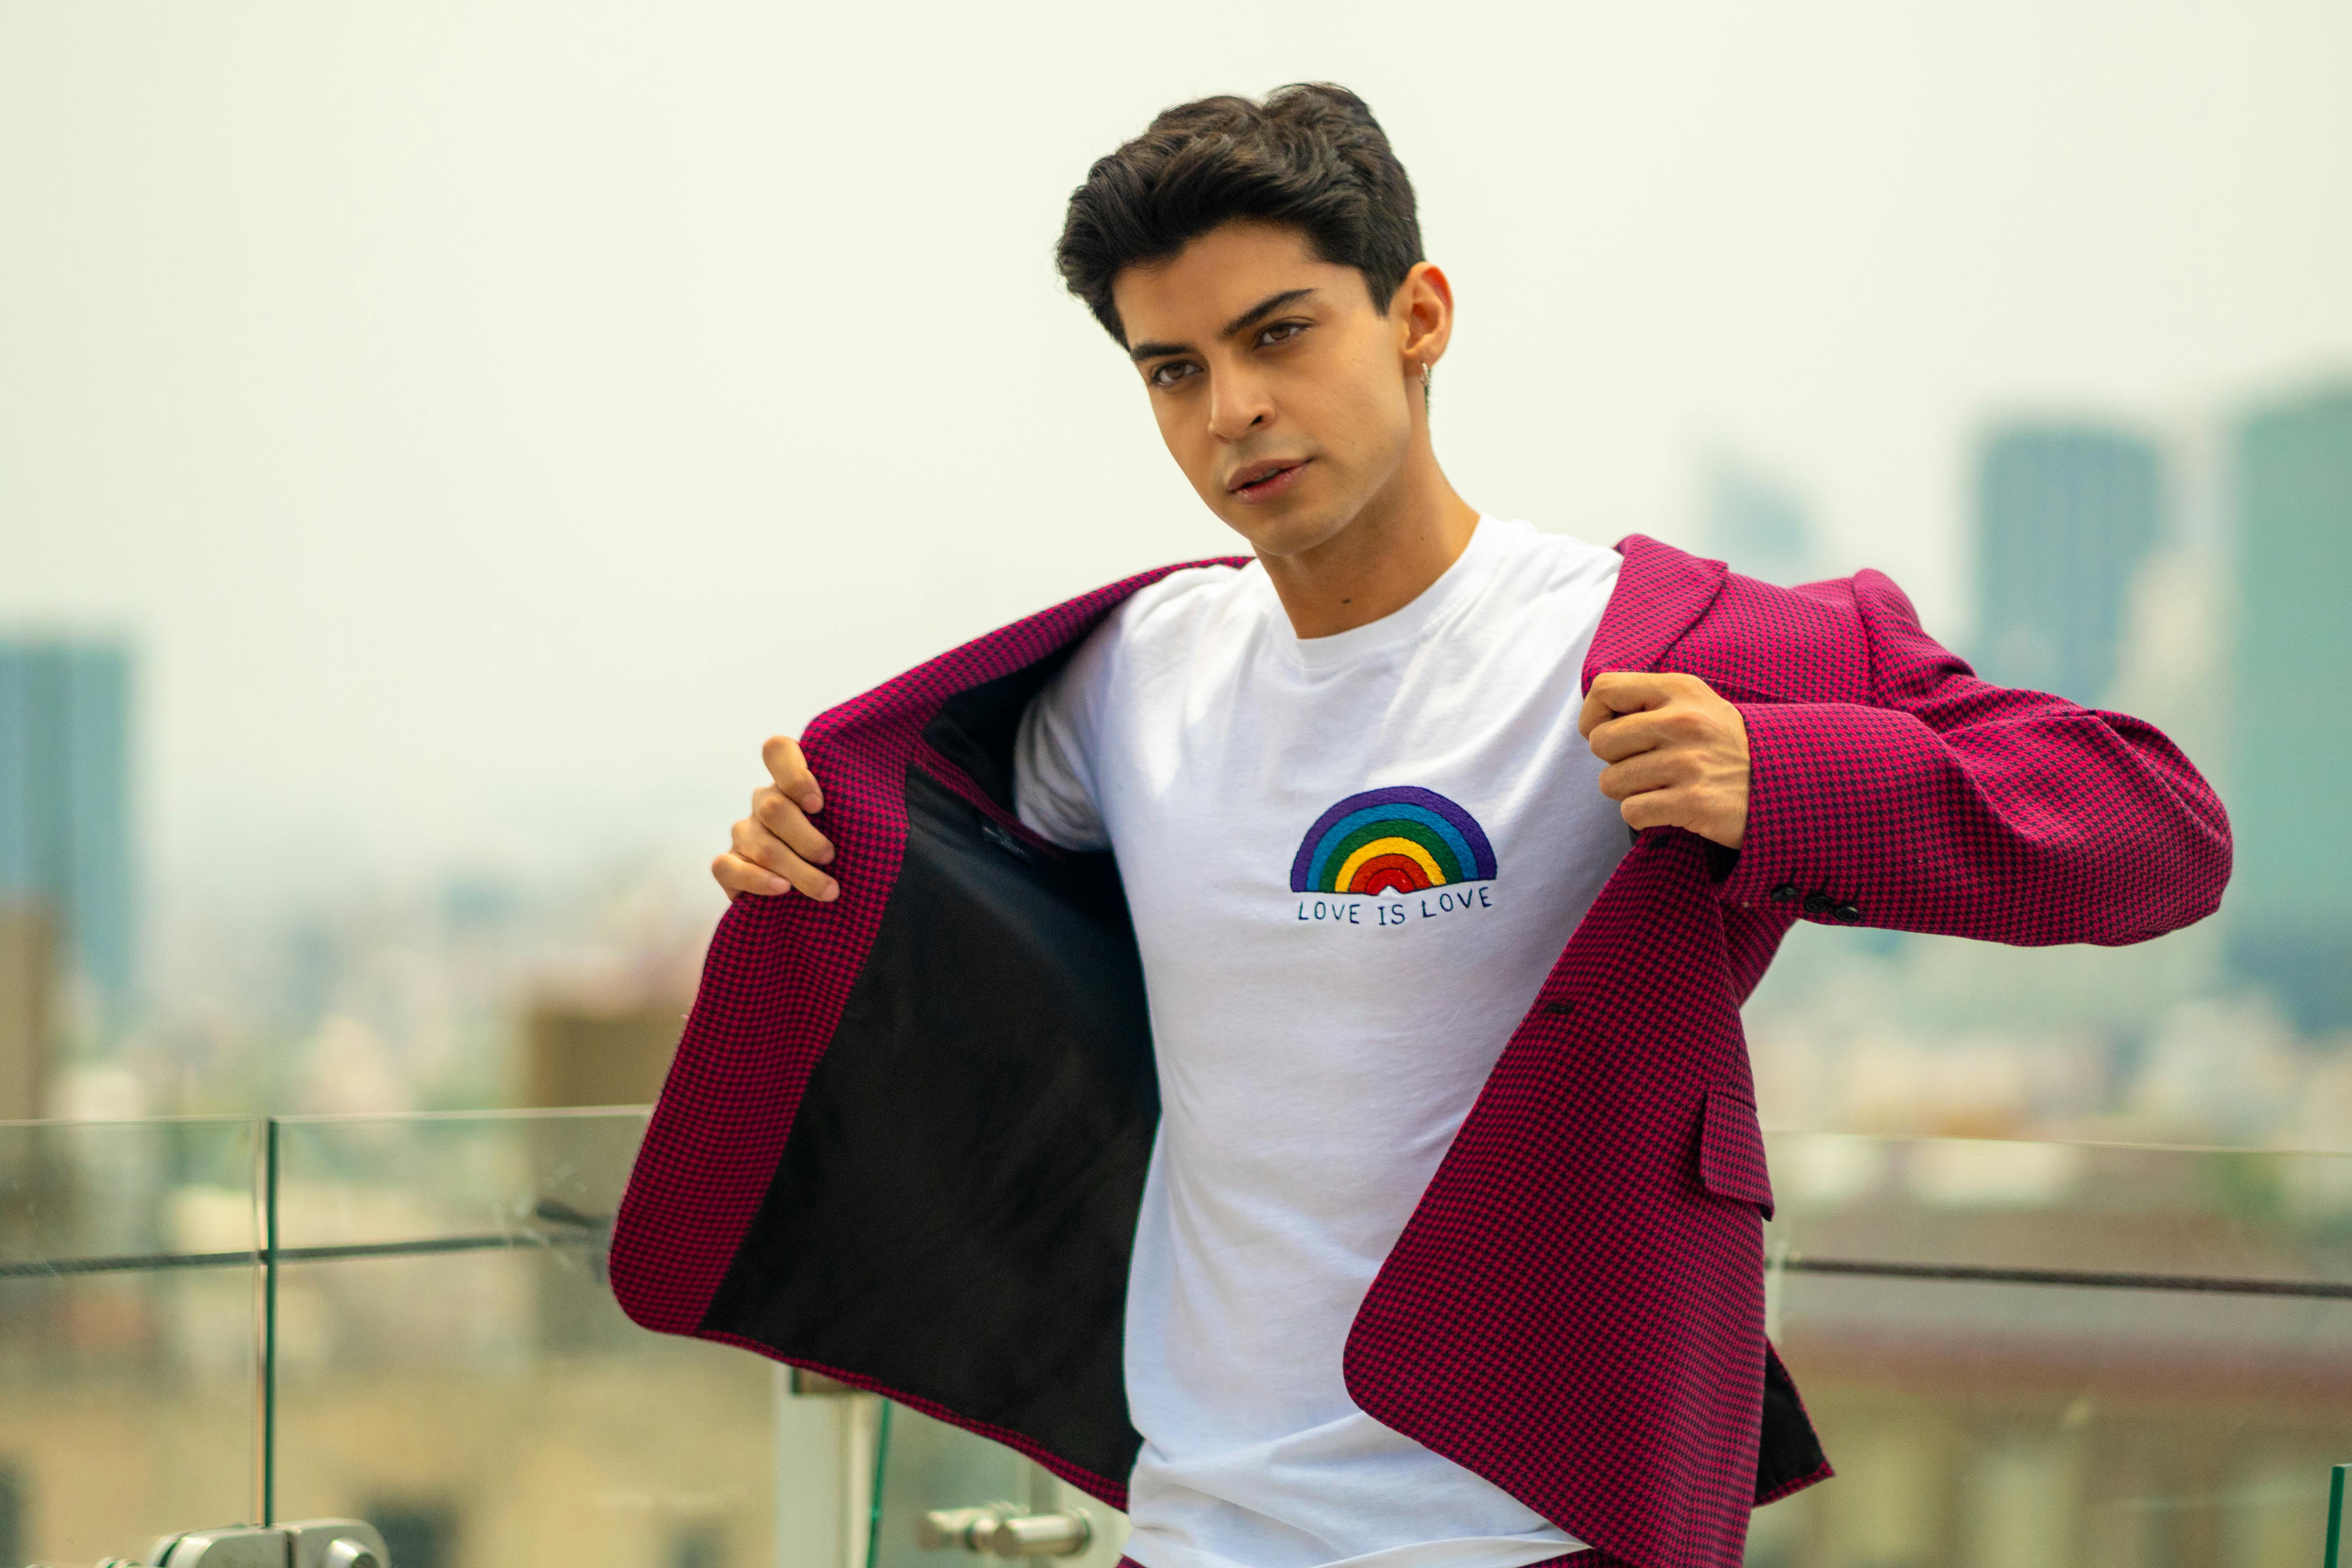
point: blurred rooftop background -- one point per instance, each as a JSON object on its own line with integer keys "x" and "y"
{"x": 437, "y": 444}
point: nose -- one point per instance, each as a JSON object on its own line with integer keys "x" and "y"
{"x": 1239, "y": 403}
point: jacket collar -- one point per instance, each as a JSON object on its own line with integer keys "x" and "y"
{"x": 1661, "y": 593}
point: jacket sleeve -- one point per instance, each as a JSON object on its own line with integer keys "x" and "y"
{"x": 1957, "y": 807}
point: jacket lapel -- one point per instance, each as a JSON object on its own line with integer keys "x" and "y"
{"x": 1661, "y": 593}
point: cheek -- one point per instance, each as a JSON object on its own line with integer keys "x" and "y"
{"x": 1376, "y": 417}
{"x": 1188, "y": 441}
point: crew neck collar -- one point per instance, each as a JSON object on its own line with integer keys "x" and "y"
{"x": 1399, "y": 627}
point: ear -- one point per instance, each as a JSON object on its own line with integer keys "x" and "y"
{"x": 1421, "y": 312}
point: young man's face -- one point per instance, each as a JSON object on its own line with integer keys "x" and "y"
{"x": 1281, "y": 389}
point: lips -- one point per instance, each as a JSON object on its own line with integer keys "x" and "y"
{"x": 1264, "y": 478}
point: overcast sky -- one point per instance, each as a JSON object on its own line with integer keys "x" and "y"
{"x": 491, "y": 420}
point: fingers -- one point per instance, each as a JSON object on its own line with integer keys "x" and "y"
{"x": 1617, "y": 739}
{"x": 777, "y": 849}
{"x": 789, "y": 771}
{"x": 1677, "y": 752}
{"x": 1709, "y": 813}
{"x": 773, "y": 811}
{"x": 1673, "y": 788}
{"x": 1616, "y": 691}
{"x": 1662, "y": 808}
{"x": 1644, "y": 773}
{"x": 1630, "y": 733}
{"x": 737, "y": 874}
{"x": 737, "y": 877}
{"x": 758, "y": 847}
{"x": 1595, "y": 713}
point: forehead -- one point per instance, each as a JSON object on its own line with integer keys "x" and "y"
{"x": 1188, "y": 295}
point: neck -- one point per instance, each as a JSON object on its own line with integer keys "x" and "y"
{"x": 1400, "y": 542}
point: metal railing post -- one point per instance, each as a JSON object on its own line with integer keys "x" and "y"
{"x": 269, "y": 1336}
{"x": 2339, "y": 1528}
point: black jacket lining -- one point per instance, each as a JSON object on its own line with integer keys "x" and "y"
{"x": 955, "y": 1209}
{"x": 1789, "y": 1449}
{"x": 975, "y": 728}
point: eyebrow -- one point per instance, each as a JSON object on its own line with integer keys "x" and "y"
{"x": 1241, "y": 323}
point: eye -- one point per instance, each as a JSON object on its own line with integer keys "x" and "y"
{"x": 1170, "y": 372}
{"x": 1279, "y": 332}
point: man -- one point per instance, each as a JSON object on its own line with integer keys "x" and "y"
{"x": 1220, "y": 1037}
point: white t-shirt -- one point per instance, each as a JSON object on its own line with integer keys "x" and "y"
{"x": 1350, "y": 861}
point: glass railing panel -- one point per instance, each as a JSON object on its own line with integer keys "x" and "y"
{"x": 927, "y": 1465}
{"x": 930, "y": 1471}
{"x": 131, "y": 1332}
{"x": 2025, "y": 1354}
{"x": 2015, "y": 1354}
{"x": 452, "y": 1366}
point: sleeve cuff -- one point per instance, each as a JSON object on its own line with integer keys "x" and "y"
{"x": 1801, "y": 808}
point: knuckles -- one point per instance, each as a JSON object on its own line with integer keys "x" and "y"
{"x": 1685, "y": 724}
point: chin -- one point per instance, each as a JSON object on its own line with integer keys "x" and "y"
{"x": 1292, "y": 531}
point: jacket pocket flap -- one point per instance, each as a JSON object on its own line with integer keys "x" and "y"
{"x": 1731, "y": 1152}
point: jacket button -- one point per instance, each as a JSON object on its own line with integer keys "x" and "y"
{"x": 1848, "y": 914}
{"x": 1817, "y": 903}
{"x": 1786, "y": 893}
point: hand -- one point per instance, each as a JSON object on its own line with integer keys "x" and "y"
{"x": 1677, "y": 754}
{"x": 776, "y": 849}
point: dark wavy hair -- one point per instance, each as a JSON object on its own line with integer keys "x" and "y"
{"x": 1311, "y": 156}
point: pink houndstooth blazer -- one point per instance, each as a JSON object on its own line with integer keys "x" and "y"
{"x": 903, "y": 1142}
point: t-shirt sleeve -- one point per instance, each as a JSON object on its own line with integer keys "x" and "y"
{"x": 1053, "y": 787}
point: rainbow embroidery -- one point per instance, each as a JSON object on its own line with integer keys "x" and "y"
{"x": 1400, "y": 840}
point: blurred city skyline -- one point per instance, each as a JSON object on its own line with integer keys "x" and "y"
{"x": 392, "y": 993}
{"x": 489, "y": 426}
{"x": 479, "y": 429}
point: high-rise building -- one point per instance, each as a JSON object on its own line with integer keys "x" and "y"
{"x": 65, "y": 800}
{"x": 2066, "y": 514}
{"x": 2289, "y": 907}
